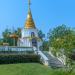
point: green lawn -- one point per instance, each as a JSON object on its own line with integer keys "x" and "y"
{"x": 28, "y": 69}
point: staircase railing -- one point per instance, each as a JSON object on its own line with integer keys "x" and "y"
{"x": 43, "y": 58}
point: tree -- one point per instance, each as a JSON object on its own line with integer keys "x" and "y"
{"x": 6, "y": 36}
{"x": 60, "y": 36}
{"x": 45, "y": 46}
{"x": 18, "y": 32}
{"x": 41, "y": 35}
{"x": 63, "y": 37}
{"x": 1, "y": 41}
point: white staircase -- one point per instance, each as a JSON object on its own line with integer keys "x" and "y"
{"x": 53, "y": 61}
{"x": 50, "y": 61}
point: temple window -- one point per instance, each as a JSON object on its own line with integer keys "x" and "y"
{"x": 32, "y": 34}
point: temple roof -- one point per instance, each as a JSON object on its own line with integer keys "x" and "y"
{"x": 29, "y": 21}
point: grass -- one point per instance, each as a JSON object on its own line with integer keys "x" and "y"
{"x": 29, "y": 69}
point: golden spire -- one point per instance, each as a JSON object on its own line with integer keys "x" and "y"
{"x": 29, "y": 21}
{"x": 29, "y": 3}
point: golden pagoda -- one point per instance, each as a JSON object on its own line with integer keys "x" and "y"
{"x": 29, "y": 34}
{"x": 29, "y": 21}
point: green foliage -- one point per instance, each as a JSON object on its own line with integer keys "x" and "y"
{"x": 18, "y": 32}
{"x": 59, "y": 31}
{"x": 45, "y": 46}
{"x": 45, "y": 43}
{"x": 63, "y": 37}
{"x": 41, "y": 35}
{"x": 18, "y": 58}
{"x": 6, "y": 36}
{"x": 1, "y": 41}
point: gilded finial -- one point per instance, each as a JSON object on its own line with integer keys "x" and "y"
{"x": 29, "y": 21}
{"x": 29, "y": 3}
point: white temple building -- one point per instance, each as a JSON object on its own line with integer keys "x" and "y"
{"x": 29, "y": 37}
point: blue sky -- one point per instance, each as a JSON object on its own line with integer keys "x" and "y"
{"x": 47, "y": 14}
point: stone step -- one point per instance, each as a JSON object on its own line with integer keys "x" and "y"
{"x": 53, "y": 61}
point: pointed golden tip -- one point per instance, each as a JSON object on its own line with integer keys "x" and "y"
{"x": 29, "y": 2}
{"x": 29, "y": 22}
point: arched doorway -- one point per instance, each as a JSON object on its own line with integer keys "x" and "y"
{"x": 34, "y": 41}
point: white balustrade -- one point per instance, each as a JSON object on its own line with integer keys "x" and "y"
{"x": 43, "y": 58}
{"x": 15, "y": 49}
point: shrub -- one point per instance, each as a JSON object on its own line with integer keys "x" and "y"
{"x": 18, "y": 58}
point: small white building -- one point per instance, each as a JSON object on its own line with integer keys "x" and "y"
{"x": 29, "y": 37}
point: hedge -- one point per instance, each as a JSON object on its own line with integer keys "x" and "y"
{"x": 17, "y": 58}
